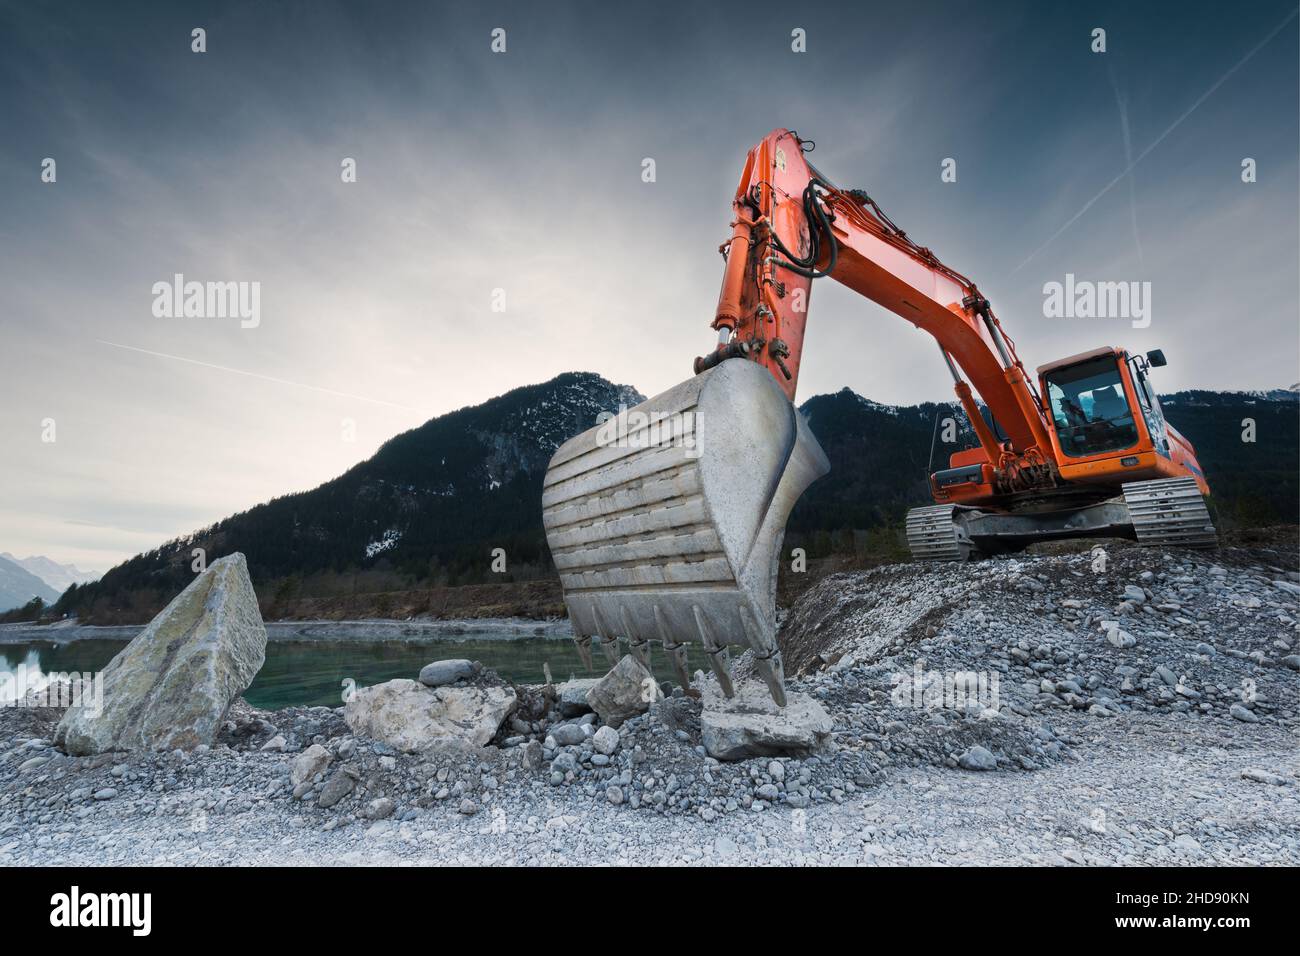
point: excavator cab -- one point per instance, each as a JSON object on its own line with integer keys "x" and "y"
{"x": 1090, "y": 408}
{"x": 1106, "y": 421}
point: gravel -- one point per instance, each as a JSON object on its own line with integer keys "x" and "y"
{"x": 1083, "y": 751}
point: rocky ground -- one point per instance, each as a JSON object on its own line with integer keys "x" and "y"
{"x": 1137, "y": 707}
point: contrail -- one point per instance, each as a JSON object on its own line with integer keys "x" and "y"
{"x": 1122, "y": 103}
{"x": 265, "y": 378}
{"x": 1191, "y": 109}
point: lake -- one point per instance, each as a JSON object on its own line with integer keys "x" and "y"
{"x": 312, "y": 672}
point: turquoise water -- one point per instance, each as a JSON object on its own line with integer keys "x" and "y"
{"x": 313, "y": 672}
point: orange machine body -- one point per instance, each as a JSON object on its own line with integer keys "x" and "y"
{"x": 790, "y": 225}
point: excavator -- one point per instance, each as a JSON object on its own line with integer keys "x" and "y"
{"x": 665, "y": 521}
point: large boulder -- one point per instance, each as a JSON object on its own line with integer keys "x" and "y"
{"x": 627, "y": 690}
{"x": 410, "y": 716}
{"x": 171, "y": 686}
{"x": 752, "y": 725}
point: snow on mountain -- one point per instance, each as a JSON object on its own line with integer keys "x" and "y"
{"x": 58, "y": 576}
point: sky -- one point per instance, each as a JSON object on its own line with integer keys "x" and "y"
{"x": 488, "y": 179}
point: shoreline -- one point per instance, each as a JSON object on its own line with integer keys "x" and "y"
{"x": 364, "y": 630}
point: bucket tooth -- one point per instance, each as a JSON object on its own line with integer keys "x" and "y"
{"x": 583, "y": 643}
{"x": 719, "y": 659}
{"x": 638, "y": 646}
{"x": 767, "y": 656}
{"x": 608, "y": 639}
{"x": 610, "y": 646}
{"x": 675, "y": 651}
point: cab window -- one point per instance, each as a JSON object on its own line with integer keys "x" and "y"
{"x": 1089, "y": 409}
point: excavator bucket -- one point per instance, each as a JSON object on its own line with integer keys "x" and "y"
{"x": 665, "y": 521}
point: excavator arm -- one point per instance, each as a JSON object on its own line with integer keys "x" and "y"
{"x": 791, "y": 225}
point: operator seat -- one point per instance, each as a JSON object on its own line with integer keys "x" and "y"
{"x": 1108, "y": 405}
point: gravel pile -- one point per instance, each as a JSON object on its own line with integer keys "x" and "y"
{"x": 1136, "y": 708}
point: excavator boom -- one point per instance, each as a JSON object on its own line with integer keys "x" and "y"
{"x": 791, "y": 224}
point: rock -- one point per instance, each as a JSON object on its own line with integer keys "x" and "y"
{"x": 1135, "y": 594}
{"x": 171, "y": 686}
{"x": 380, "y": 809}
{"x": 533, "y": 756}
{"x": 1263, "y": 776}
{"x": 108, "y": 793}
{"x": 627, "y": 690}
{"x": 447, "y": 672}
{"x": 307, "y": 764}
{"x": 276, "y": 744}
{"x": 768, "y": 792}
{"x": 776, "y": 770}
{"x": 614, "y": 795}
{"x": 409, "y": 716}
{"x": 1243, "y": 713}
{"x": 1120, "y": 638}
{"x": 338, "y": 786}
{"x": 468, "y": 807}
{"x": 564, "y": 763}
{"x": 605, "y": 741}
{"x": 978, "y": 758}
{"x": 32, "y": 763}
{"x": 1292, "y": 661}
{"x": 566, "y": 735}
{"x": 572, "y": 697}
{"x": 752, "y": 725}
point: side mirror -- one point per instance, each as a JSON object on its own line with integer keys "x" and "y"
{"x": 1157, "y": 358}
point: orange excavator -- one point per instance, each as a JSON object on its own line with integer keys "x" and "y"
{"x": 666, "y": 521}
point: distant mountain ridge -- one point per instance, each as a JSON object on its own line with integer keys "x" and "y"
{"x": 18, "y": 586}
{"x": 1197, "y": 396}
{"x": 58, "y": 576}
{"x": 880, "y": 456}
{"x": 433, "y": 503}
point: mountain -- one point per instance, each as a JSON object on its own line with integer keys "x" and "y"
{"x": 879, "y": 457}
{"x": 431, "y": 505}
{"x": 18, "y": 586}
{"x": 1201, "y": 397}
{"x": 58, "y": 576}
